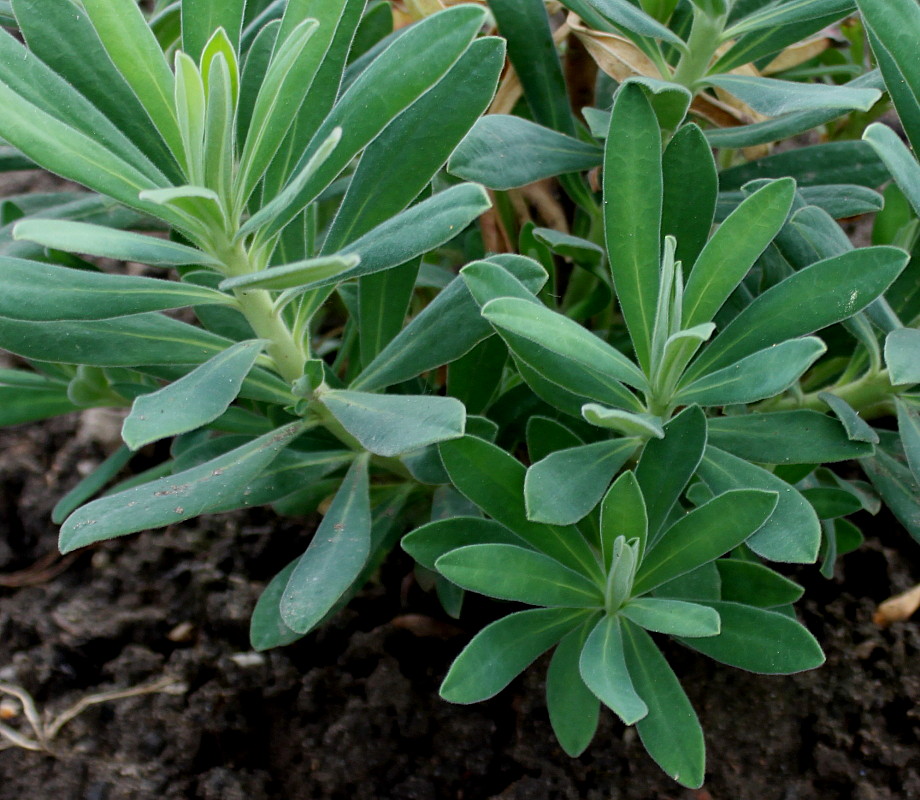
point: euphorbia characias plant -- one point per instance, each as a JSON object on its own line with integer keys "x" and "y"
{"x": 671, "y": 365}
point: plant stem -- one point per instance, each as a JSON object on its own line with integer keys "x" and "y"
{"x": 871, "y": 395}
{"x": 701, "y": 47}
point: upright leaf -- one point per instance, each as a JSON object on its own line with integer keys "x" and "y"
{"x": 200, "y": 18}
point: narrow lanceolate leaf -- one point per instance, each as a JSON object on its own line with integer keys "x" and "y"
{"x": 503, "y": 650}
{"x": 670, "y": 731}
{"x": 786, "y": 437}
{"x": 667, "y": 465}
{"x": 898, "y": 487}
{"x": 64, "y": 150}
{"x": 902, "y": 356}
{"x": 788, "y": 13}
{"x": 334, "y": 557}
{"x": 194, "y": 400}
{"x": 567, "y": 484}
{"x": 141, "y": 339}
{"x": 293, "y": 276}
{"x": 760, "y": 640}
{"x": 138, "y": 56}
{"x": 893, "y": 25}
{"x": 27, "y": 396}
{"x": 909, "y": 428}
{"x": 901, "y": 163}
{"x": 91, "y": 484}
{"x": 623, "y": 514}
{"x": 176, "y": 497}
{"x": 392, "y": 424}
{"x": 733, "y": 249}
{"x": 383, "y": 186}
{"x": 562, "y": 336}
{"x": 858, "y": 430}
{"x": 418, "y": 229}
{"x": 792, "y": 533}
{"x": 826, "y": 292}
{"x": 202, "y": 17}
{"x": 266, "y": 627}
{"x": 42, "y": 292}
{"x": 674, "y": 617}
{"x": 633, "y": 19}
{"x": 603, "y": 669}
{"x": 703, "y": 535}
{"x": 573, "y": 708}
{"x": 641, "y": 425}
{"x": 774, "y": 98}
{"x": 515, "y": 573}
{"x": 494, "y": 481}
{"x": 505, "y": 152}
{"x": 429, "y": 542}
{"x": 754, "y": 584}
{"x": 632, "y": 212}
{"x": 400, "y": 75}
{"x": 763, "y": 374}
{"x": 99, "y": 240}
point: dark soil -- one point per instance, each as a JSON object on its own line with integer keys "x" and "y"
{"x": 352, "y": 711}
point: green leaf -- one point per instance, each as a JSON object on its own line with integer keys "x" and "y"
{"x": 670, "y": 732}
{"x": 669, "y": 100}
{"x": 200, "y": 18}
{"x": 688, "y": 161}
{"x": 494, "y": 481}
{"x": 562, "y": 336}
{"x": 759, "y": 640}
{"x": 174, "y": 498}
{"x": 829, "y": 502}
{"x": 792, "y": 533}
{"x": 666, "y": 465}
{"x": 220, "y": 81}
{"x": 503, "y": 650}
{"x": 632, "y": 212}
{"x": 27, "y": 396}
{"x": 573, "y": 708}
{"x": 815, "y": 165}
{"x": 69, "y": 45}
{"x": 603, "y": 669}
{"x": 446, "y": 329}
{"x": 563, "y": 487}
{"x": 266, "y": 627}
{"x": 641, "y": 425}
{"x": 891, "y": 25}
{"x": 674, "y": 617}
{"x": 91, "y": 484}
{"x": 627, "y": 16}
{"x": 515, "y": 573}
{"x": 141, "y": 339}
{"x": 819, "y": 295}
{"x": 902, "y": 355}
{"x": 429, "y": 542}
{"x": 623, "y": 514}
{"x": 788, "y": 13}
{"x": 392, "y": 424}
{"x": 505, "y": 152}
{"x": 774, "y": 98}
{"x": 901, "y": 163}
{"x": 382, "y": 185}
{"x": 40, "y": 292}
{"x": 532, "y": 52}
{"x": 786, "y": 437}
{"x": 293, "y": 276}
{"x": 731, "y": 252}
{"x": 395, "y": 80}
{"x": 755, "y": 585}
{"x": 909, "y": 428}
{"x": 100, "y": 240}
{"x": 857, "y": 428}
{"x": 898, "y": 487}
{"x": 703, "y": 535}
{"x": 194, "y": 400}
{"x": 138, "y": 57}
{"x": 335, "y": 556}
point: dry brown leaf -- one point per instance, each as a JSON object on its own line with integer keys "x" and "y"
{"x": 897, "y": 608}
{"x": 797, "y": 54}
{"x": 615, "y": 55}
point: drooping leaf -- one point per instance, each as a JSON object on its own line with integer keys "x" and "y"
{"x": 174, "y": 498}
{"x": 759, "y": 640}
{"x": 603, "y": 669}
{"x": 504, "y": 649}
{"x": 334, "y": 557}
{"x": 194, "y": 400}
{"x": 392, "y": 424}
